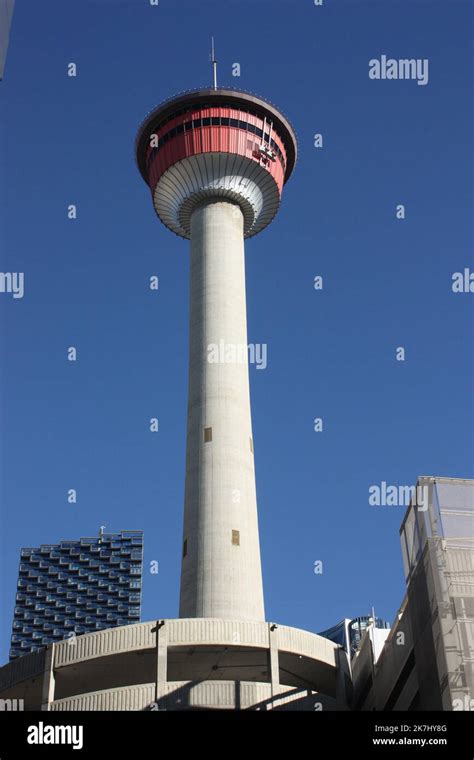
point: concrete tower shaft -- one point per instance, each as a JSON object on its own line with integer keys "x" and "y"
{"x": 215, "y": 162}
{"x": 221, "y": 572}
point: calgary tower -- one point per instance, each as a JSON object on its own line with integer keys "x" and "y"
{"x": 216, "y": 161}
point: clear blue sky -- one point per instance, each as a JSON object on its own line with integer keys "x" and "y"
{"x": 331, "y": 354}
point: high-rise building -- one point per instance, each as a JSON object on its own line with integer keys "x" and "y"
{"x": 6, "y": 13}
{"x": 76, "y": 587}
{"x": 427, "y": 662}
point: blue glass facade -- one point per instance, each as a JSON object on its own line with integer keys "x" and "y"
{"x": 76, "y": 587}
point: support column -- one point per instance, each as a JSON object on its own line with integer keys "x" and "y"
{"x": 273, "y": 660}
{"x": 161, "y": 656}
{"x": 47, "y": 694}
{"x": 342, "y": 666}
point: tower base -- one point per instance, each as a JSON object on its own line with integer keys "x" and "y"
{"x": 183, "y": 664}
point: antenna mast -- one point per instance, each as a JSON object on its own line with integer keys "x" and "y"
{"x": 214, "y": 63}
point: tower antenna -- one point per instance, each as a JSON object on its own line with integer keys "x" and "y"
{"x": 214, "y": 63}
